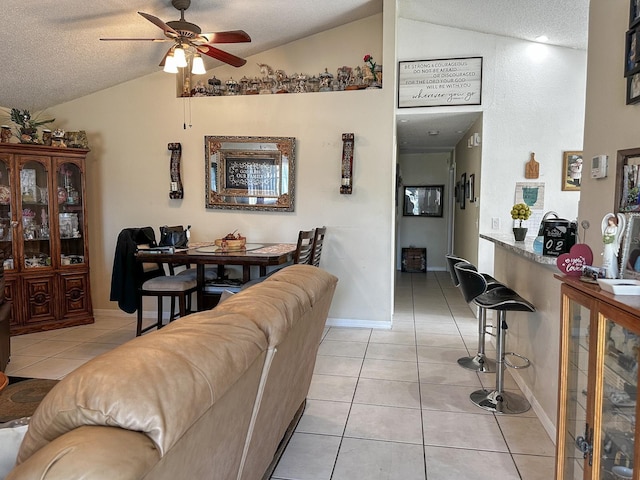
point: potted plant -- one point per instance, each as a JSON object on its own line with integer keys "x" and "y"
{"x": 520, "y": 212}
{"x": 27, "y": 125}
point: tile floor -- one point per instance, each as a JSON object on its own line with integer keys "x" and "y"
{"x": 383, "y": 404}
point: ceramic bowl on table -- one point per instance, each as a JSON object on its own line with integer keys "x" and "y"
{"x": 231, "y": 244}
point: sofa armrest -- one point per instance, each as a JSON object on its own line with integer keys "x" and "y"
{"x": 99, "y": 453}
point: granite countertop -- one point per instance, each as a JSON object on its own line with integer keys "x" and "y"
{"x": 524, "y": 249}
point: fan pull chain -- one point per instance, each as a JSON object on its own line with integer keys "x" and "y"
{"x": 187, "y": 101}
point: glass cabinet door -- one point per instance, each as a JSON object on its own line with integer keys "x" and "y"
{"x": 6, "y": 236}
{"x": 34, "y": 214}
{"x": 70, "y": 213}
{"x": 619, "y": 387}
{"x": 576, "y": 366}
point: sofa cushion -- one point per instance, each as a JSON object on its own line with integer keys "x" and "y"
{"x": 145, "y": 384}
{"x": 279, "y": 298}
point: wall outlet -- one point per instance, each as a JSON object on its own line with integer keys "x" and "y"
{"x": 495, "y": 223}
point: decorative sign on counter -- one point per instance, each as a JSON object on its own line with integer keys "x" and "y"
{"x": 440, "y": 83}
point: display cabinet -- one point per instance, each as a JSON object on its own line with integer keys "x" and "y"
{"x": 598, "y": 379}
{"x": 43, "y": 236}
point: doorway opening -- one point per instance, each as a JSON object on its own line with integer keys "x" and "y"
{"x": 433, "y": 150}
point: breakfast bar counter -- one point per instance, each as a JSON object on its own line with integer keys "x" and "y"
{"x": 523, "y": 249}
{"x": 534, "y": 335}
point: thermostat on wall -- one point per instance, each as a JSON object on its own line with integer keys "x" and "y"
{"x": 599, "y": 166}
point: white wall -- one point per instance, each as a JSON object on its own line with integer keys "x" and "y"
{"x": 529, "y": 104}
{"x": 130, "y": 125}
{"x": 421, "y": 169}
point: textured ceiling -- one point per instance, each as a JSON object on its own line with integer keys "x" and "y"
{"x": 51, "y": 53}
{"x": 563, "y": 22}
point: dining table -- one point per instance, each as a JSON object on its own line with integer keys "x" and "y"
{"x": 200, "y": 254}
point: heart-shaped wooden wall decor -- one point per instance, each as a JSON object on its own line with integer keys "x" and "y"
{"x": 571, "y": 263}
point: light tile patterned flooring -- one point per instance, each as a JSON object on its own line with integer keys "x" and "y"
{"x": 383, "y": 404}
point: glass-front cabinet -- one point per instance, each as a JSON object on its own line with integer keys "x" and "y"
{"x": 597, "y": 407}
{"x": 6, "y": 187}
{"x": 34, "y": 212}
{"x": 70, "y": 202}
{"x": 43, "y": 227}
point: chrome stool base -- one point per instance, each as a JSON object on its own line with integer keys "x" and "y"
{"x": 479, "y": 363}
{"x": 505, "y": 402}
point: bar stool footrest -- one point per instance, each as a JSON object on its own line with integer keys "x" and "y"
{"x": 527, "y": 362}
{"x": 478, "y": 363}
{"x": 488, "y": 330}
{"x": 506, "y": 402}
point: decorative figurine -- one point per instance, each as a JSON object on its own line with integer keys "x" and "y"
{"x": 232, "y": 87}
{"x": 214, "y": 84}
{"x": 326, "y": 79}
{"x": 5, "y": 134}
{"x": 269, "y": 81}
{"x": 612, "y": 230}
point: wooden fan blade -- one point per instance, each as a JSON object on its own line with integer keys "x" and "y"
{"x": 232, "y": 36}
{"x": 136, "y": 40}
{"x": 159, "y": 23}
{"x": 221, "y": 55}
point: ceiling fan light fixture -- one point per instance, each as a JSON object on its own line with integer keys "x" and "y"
{"x": 179, "y": 57}
{"x": 198, "y": 65}
{"x": 170, "y": 64}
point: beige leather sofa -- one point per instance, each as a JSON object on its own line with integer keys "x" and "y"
{"x": 209, "y": 396}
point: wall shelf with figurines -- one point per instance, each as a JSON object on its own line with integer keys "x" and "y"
{"x": 277, "y": 81}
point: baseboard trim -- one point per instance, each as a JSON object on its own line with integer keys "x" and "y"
{"x": 355, "y": 323}
{"x": 331, "y": 321}
{"x": 546, "y": 422}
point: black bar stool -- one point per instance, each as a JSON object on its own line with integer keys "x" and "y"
{"x": 478, "y": 362}
{"x": 501, "y": 299}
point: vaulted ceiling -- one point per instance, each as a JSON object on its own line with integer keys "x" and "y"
{"x": 51, "y": 53}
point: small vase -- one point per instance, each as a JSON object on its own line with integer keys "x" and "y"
{"x": 28, "y": 135}
{"x": 519, "y": 233}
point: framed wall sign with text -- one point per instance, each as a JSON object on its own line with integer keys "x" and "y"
{"x": 440, "y": 83}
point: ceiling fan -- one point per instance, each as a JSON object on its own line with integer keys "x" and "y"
{"x": 188, "y": 37}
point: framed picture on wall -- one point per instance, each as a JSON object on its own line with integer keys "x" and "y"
{"x": 634, "y": 13}
{"x": 632, "y": 53}
{"x": 463, "y": 188}
{"x": 572, "y": 170}
{"x": 456, "y": 193}
{"x": 423, "y": 201}
{"x": 472, "y": 187}
{"x": 627, "y": 196}
{"x": 633, "y": 89}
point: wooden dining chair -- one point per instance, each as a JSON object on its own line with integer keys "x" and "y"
{"x": 174, "y": 286}
{"x": 316, "y": 248}
{"x": 304, "y": 247}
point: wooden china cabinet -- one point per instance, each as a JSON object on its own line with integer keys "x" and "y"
{"x": 43, "y": 235}
{"x": 597, "y": 436}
